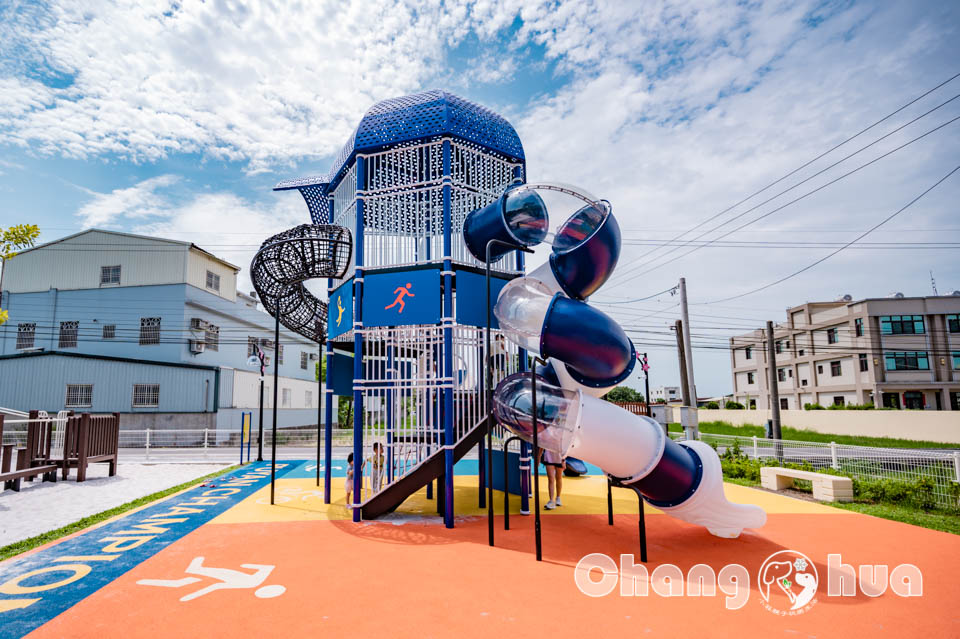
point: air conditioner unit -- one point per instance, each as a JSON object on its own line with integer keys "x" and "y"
{"x": 198, "y": 324}
{"x": 196, "y": 346}
{"x": 313, "y": 357}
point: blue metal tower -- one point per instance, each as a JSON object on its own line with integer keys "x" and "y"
{"x": 411, "y": 306}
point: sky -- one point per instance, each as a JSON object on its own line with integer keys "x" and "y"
{"x": 176, "y": 119}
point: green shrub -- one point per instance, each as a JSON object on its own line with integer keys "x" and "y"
{"x": 731, "y": 405}
{"x": 922, "y": 494}
{"x": 712, "y": 405}
{"x": 867, "y": 406}
{"x": 809, "y": 406}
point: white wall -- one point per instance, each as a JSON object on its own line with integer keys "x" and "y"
{"x": 935, "y": 426}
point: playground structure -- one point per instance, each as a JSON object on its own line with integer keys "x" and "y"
{"x": 409, "y": 307}
{"x": 586, "y": 354}
{"x": 432, "y": 187}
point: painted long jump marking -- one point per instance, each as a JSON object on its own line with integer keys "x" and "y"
{"x": 229, "y": 580}
{"x": 36, "y": 588}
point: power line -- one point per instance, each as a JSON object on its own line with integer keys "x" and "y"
{"x": 630, "y": 273}
{"x": 828, "y": 256}
{"x": 825, "y": 153}
{"x": 793, "y": 201}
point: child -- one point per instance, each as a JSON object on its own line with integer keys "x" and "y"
{"x": 348, "y": 484}
{"x": 555, "y": 465}
{"x": 376, "y": 460}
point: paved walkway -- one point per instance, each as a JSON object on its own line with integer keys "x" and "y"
{"x": 40, "y": 507}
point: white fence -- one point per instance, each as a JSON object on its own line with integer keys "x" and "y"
{"x": 860, "y": 462}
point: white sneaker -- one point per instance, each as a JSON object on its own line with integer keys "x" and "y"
{"x": 557, "y": 503}
{"x": 550, "y": 505}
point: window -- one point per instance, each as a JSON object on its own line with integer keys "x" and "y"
{"x": 836, "y": 370}
{"x": 778, "y": 347}
{"x": 748, "y": 353}
{"x": 26, "y": 333}
{"x": 285, "y": 397}
{"x": 213, "y": 281}
{"x": 863, "y": 363}
{"x": 308, "y": 399}
{"x": 109, "y": 331}
{"x": 79, "y": 396}
{"x": 146, "y": 395}
{"x": 280, "y": 354}
{"x": 901, "y": 325}
{"x": 909, "y": 361}
{"x": 956, "y": 360}
{"x": 891, "y": 400}
{"x": 790, "y": 373}
{"x": 753, "y": 404}
{"x": 109, "y": 275}
{"x": 303, "y": 361}
{"x": 212, "y": 337}
{"x": 838, "y": 400}
{"x": 149, "y": 330}
{"x": 953, "y": 323}
{"x": 832, "y": 336}
{"x": 800, "y": 352}
{"x": 820, "y": 369}
{"x": 68, "y": 334}
{"x": 858, "y": 327}
{"x": 781, "y": 375}
{"x": 784, "y": 403}
{"x": 749, "y": 378}
{"x": 803, "y": 382}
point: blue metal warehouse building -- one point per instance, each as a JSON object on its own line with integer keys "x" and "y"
{"x": 152, "y": 328}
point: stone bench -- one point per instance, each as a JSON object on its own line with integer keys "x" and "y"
{"x": 825, "y": 487}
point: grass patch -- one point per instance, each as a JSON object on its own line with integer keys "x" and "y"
{"x": 28, "y": 544}
{"x": 933, "y": 520}
{"x": 795, "y": 434}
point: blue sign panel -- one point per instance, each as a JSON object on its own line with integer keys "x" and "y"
{"x": 340, "y": 313}
{"x": 402, "y": 298}
{"x": 471, "y": 301}
{"x": 340, "y": 375}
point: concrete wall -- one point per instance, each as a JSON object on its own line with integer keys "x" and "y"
{"x": 936, "y": 426}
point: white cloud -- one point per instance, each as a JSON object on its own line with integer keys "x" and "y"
{"x": 671, "y": 109}
{"x": 138, "y": 201}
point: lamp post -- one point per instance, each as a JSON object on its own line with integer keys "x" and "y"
{"x": 256, "y": 359}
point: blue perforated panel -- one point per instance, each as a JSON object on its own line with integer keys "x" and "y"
{"x": 421, "y": 116}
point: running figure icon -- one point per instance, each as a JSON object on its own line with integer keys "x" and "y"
{"x": 340, "y": 309}
{"x": 400, "y": 293}
{"x": 229, "y": 579}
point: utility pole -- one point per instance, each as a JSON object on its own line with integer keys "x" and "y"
{"x": 774, "y": 389}
{"x": 687, "y": 348}
{"x": 690, "y": 427}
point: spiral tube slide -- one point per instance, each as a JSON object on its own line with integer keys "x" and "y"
{"x": 286, "y": 260}
{"x": 546, "y": 313}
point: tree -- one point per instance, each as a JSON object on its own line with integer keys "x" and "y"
{"x": 321, "y": 372}
{"x": 623, "y": 394}
{"x": 13, "y": 239}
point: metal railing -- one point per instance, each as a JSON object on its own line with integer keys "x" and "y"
{"x": 907, "y": 465}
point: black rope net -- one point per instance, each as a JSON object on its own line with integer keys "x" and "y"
{"x": 286, "y": 260}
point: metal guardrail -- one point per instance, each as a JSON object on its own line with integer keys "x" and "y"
{"x": 860, "y": 462}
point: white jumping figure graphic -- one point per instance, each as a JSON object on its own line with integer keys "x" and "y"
{"x": 228, "y": 578}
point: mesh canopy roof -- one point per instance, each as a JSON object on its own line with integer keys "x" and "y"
{"x": 420, "y": 116}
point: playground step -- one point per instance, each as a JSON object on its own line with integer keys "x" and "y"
{"x": 387, "y": 500}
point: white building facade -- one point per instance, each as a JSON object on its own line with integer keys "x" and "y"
{"x": 897, "y": 352}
